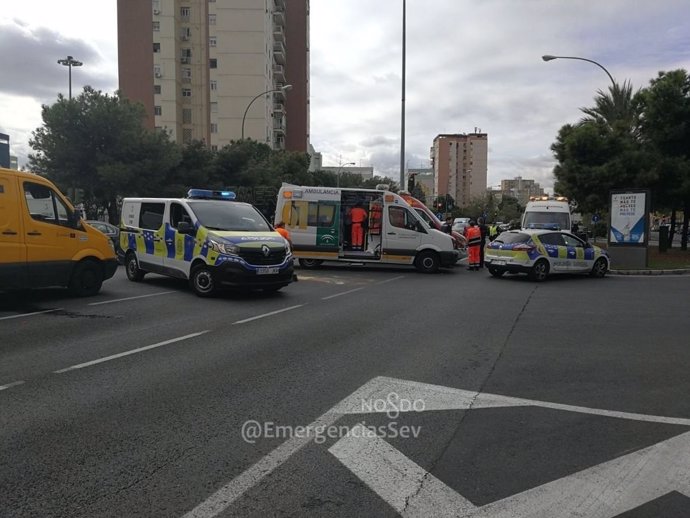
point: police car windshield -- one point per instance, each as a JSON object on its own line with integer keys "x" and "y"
{"x": 229, "y": 216}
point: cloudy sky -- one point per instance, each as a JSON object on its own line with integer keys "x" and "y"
{"x": 470, "y": 64}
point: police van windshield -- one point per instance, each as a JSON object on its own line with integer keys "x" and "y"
{"x": 549, "y": 219}
{"x": 229, "y": 216}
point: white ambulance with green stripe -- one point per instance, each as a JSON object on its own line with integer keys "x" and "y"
{"x": 206, "y": 238}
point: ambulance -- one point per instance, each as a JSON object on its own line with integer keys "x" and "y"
{"x": 322, "y": 227}
{"x": 547, "y": 212}
{"x": 208, "y": 239}
{"x": 44, "y": 242}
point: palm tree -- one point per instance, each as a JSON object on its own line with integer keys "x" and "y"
{"x": 617, "y": 110}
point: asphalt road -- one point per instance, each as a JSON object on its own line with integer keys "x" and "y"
{"x": 566, "y": 398}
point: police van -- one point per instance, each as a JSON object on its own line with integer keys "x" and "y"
{"x": 207, "y": 238}
{"x": 326, "y": 224}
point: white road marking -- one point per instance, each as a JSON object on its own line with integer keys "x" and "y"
{"x": 406, "y": 486}
{"x": 267, "y": 314}
{"x": 30, "y": 314}
{"x": 341, "y": 293}
{"x": 130, "y": 298}
{"x": 127, "y": 353}
{"x": 328, "y": 280}
{"x": 437, "y": 397}
{"x": 391, "y": 280}
{"x": 9, "y": 385}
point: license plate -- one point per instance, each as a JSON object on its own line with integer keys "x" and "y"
{"x": 267, "y": 271}
{"x": 498, "y": 262}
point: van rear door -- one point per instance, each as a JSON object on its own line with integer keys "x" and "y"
{"x": 12, "y": 247}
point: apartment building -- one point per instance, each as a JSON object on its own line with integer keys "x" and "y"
{"x": 521, "y": 189}
{"x": 218, "y": 70}
{"x": 460, "y": 162}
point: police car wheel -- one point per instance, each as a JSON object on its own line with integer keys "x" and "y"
{"x": 496, "y": 272}
{"x": 599, "y": 269}
{"x": 87, "y": 279}
{"x": 540, "y": 270}
{"x": 308, "y": 264}
{"x": 201, "y": 281}
{"x": 427, "y": 262}
{"x": 134, "y": 274}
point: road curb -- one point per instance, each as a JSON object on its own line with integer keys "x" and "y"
{"x": 680, "y": 271}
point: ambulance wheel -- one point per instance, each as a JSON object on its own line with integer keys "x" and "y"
{"x": 427, "y": 262}
{"x": 87, "y": 279}
{"x": 599, "y": 269}
{"x": 202, "y": 282}
{"x": 310, "y": 264}
{"x": 496, "y": 272}
{"x": 134, "y": 273}
{"x": 539, "y": 271}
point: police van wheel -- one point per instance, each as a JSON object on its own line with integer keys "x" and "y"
{"x": 496, "y": 272}
{"x": 599, "y": 269}
{"x": 87, "y": 279}
{"x": 427, "y": 262}
{"x": 201, "y": 281}
{"x": 309, "y": 264}
{"x": 539, "y": 271}
{"x": 134, "y": 273}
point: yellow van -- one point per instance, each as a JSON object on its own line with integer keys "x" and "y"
{"x": 44, "y": 242}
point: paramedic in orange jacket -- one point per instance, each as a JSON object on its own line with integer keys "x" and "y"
{"x": 359, "y": 217}
{"x": 280, "y": 228}
{"x": 474, "y": 239}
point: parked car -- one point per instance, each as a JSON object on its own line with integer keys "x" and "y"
{"x": 113, "y": 233}
{"x": 459, "y": 224}
{"x": 539, "y": 253}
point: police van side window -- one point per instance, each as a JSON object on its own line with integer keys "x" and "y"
{"x": 177, "y": 214}
{"x": 151, "y": 215}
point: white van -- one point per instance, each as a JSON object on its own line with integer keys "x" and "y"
{"x": 206, "y": 238}
{"x": 322, "y": 228}
{"x": 546, "y": 212}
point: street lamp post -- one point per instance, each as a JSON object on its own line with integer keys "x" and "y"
{"x": 402, "y": 108}
{"x": 551, "y": 58}
{"x": 284, "y": 88}
{"x": 340, "y": 168}
{"x": 70, "y": 62}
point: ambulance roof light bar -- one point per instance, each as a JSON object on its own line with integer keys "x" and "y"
{"x": 548, "y": 198}
{"x": 207, "y": 194}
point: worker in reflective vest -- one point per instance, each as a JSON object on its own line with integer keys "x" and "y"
{"x": 474, "y": 239}
{"x": 359, "y": 217}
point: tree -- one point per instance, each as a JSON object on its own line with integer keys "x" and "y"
{"x": 96, "y": 143}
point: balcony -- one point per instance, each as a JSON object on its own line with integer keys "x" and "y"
{"x": 279, "y": 4}
{"x": 279, "y": 52}
{"x": 278, "y": 95}
{"x": 279, "y": 73}
{"x": 279, "y": 110}
{"x": 185, "y": 60}
{"x": 278, "y": 33}
{"x": 279, "y": 18}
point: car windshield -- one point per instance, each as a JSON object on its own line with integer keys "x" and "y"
{"x": 228, "y": 215}
{"x": 547, "y": 219}
{"x": 512, "y": 237}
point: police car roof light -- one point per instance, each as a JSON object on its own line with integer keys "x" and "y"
{"x": 207, "y": 194}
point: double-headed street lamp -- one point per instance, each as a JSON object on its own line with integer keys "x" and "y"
{"x": 70, "y": 62}
{"x": 551, "y": 58}
{"x": 340, "y": 169}
{"x": 284, "y": 88}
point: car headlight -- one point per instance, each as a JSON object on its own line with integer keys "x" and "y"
{"x": 288, "y": 248}
{"x": 224, "y": 248}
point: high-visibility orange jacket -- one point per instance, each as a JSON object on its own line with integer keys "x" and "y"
{"x": 473, "y": 235}
{"x": 359, "y": 215}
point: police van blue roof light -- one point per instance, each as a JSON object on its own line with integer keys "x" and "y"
{"x": 207, "y": 194}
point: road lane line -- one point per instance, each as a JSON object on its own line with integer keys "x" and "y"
{"x": 130, "y": 298}
{"x": 341, "y": 293}
{"x": 30, "y": 314}
{"x": 404, "y": 485}
{"x": 127, "y": 353}
{"x": 13, "y": 384}
{"x": 391, "y": 280}
{"x": 267, "y": 314}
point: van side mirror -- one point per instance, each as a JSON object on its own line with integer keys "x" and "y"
{"x": 73, "y": 219}
{"x": 185, "y": 227}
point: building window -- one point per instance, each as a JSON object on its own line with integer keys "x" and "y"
{"x": 186, "y": 75}
{"x": 214, "y": 107}
{"x": 186, "y": 33}
{"x": 156, "y": 47}
{"x": 157, "y": 110}
{"x": 186, "y": 92}
{"x": 186, "y": 116}
{"x": 212, "y": 41}
{"x": 156, "y": 89}
{"x": 187, "y": 135}
{"x": 214, "y": 127}
{"x": 185, "y": 12}
{"x": 186, "y": 56}
{"x": 214, "y": 85}
{"x": 156, "y": 26}
{"x": 211, "y": 19}
{"x": 213, "y": 63}
{"x": 157, "y": 71}
{"x": 213, "y": 147}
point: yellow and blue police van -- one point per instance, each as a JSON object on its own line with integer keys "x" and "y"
{"x": 368, "y": 226}
{"x": 44, "y": 242}
{"x": 207, "y": 238}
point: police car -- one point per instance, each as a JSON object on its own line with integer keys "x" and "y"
{"x": 206, "y": 238}
{"x": 539, "y": 253}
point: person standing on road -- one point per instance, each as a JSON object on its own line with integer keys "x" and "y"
{"x": 280, "y": 228}
{"x": 493, "y": 231}
{"x": 474, "y": 238}
{"x": 482, "y": 243}
{"x": 359, "y": 218}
